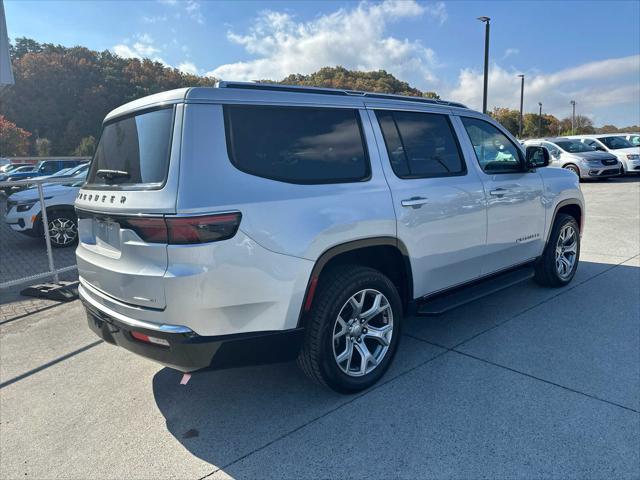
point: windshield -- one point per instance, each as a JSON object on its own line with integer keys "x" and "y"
{"x": 62, "y": 172}
{"x": 133, "y": 152}
{"x": 573, "y": 146}
{"x": 615, "y": 143}
{"x": 634, "y": 140}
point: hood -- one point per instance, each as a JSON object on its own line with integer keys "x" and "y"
{"x": 595, "y": 155}
{"x": 48, "y": 191}
{"x": 630, "y": 150}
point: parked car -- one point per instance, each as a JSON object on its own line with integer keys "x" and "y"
{"x": 251, "y": 223}
{"x": 627, "y": 153}
{"x": 578, "y": 157}
{"x": 24, "y": 212}
{"x": 12, "y": 166}
{"x": 46, "y": 167}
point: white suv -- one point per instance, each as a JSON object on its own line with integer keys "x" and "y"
{"x": 253, "y": 223}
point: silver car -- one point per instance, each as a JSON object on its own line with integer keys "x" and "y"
{"x": 579, "y": 158}
{"x": 251, "y": 223}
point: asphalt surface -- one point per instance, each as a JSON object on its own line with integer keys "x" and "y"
{"x": 526, "y": 383}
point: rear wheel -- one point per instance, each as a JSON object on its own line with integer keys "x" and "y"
{"x": 354, "y": 329}
{"x": 559, "y": 261}
{"x": 63, "y": 229}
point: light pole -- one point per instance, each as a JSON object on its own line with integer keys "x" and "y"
{"x": 540, "y": 120}
{"x": 573, "y": 117}
{"x": 521, "y": 103}
{"x": 485, "y": 20}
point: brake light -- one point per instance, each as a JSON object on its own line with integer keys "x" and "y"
{"x": 209, "y": 228}
{"x": 184, "y": 230}
{"x": 150, "y": 229}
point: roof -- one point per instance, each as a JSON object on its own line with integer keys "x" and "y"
{"x": 272, "y": 93}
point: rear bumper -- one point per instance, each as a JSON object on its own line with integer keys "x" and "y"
{"x": 188, "y": 351}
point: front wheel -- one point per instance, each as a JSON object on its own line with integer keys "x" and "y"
{"x": 574, "y": 169}
{"x": 354, "y": 329}
{"x": 559, "y": 261}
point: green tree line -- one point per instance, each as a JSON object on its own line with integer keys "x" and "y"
{"x": 62, "y": 94}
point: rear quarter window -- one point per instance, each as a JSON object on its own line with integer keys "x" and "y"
{"x": 133, "y": 152}
{"x": 303, "y": 145}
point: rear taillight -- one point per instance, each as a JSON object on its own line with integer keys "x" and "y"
{"x": 209, "y": 228}
{"x": 149, "y": 229}
{"x": 184, "y": 230}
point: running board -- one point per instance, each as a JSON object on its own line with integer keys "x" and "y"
{"x": 444, "y": 302}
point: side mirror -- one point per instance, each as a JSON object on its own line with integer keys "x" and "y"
{"x": 536, "y": 157}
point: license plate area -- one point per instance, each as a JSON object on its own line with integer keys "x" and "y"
{"x": 107, "y": 234}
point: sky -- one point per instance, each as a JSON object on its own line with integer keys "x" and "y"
{"x": 587, "y": 51}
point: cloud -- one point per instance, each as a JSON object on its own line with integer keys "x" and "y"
{"x": 509, "y": 52}
{"x": 355, "y": 38}
{"x": 192, "y": 9}
{"x": 142, "y": 47}
{"x": 188, "y": 67}
{"x": 595, "y": 86}
{"x": 154, "y": 18}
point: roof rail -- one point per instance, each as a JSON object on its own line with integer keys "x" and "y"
{"x": 333, "y": 91}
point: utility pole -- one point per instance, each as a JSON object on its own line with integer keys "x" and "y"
{"x": 485, "y": 20}
{"x": 573, "y": 117}
{"x": 540, "y": 120}
{"x": 521, "y": 104}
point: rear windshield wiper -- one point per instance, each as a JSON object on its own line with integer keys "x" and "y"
{"x": 111, "y": 174}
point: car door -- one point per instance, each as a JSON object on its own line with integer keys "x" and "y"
{"x": 439, "y": 202}
{"x": 514, "y": 196}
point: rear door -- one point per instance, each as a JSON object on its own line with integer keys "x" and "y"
{"x": 134, "y": 173}
{"x": 514, "y": 196}
{"x": 438, "y": 201}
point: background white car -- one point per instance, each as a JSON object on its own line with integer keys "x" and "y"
{"x": 24, "y": 212}
{"x": 627, "y": 153}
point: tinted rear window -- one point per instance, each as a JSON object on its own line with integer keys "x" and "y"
{"x": 133, "y": 151}
{"x": 297, "y": 145}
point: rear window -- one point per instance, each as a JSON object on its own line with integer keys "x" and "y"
{"x": 133, "y": 152}
{"x": 297, "y": 144}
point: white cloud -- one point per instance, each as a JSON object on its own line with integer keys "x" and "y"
{"x": 509, "y": 52}
{"x": 355, "y": 38}
{"x": 598, "y": 87}
{"x": 192, "y": 8}
{"x": 142, "y": 47}
{"x": 188, "y": 67}
{"x": 154, "y": 18}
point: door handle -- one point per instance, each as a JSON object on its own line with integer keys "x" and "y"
{"x": 498, "y": 192}
{"x": 414, "y": 202}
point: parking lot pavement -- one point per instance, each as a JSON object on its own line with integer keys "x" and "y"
{"x": 529, "y": 382}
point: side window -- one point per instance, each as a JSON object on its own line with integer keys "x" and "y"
{"x": 494, "y": 151}
{"x": 420, "y": 145}
{"x": 49, "y": 167}
{"x": 297, "y": 144}
{"x": 552, "y": 149}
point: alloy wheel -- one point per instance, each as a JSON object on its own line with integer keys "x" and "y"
{"x": 566, "y": 251}
{"x": 62, "y": 231}
{"x": 362, "y": 332}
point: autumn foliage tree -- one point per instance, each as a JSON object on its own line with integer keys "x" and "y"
{"x": 14, "y": 141}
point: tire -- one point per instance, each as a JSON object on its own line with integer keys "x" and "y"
{"x": 574, "y": 169}
{"x": 63, "y": 229}
{"x": 327, "y": 340}
{"x": 553, "y": 272}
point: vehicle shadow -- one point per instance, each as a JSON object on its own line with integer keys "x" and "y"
{"x": 222, "y": 416}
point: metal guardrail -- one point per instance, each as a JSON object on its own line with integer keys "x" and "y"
{"x": 53, "y": 272}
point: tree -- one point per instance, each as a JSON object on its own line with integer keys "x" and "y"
{"x": 86, "y": 148}
{"x": 341, "y": 78}
{"x": 43, "y": 147}
{"x": 14, "y": 141}
{"x": 584, "y": 125}
{"x": 508, "y": 118}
